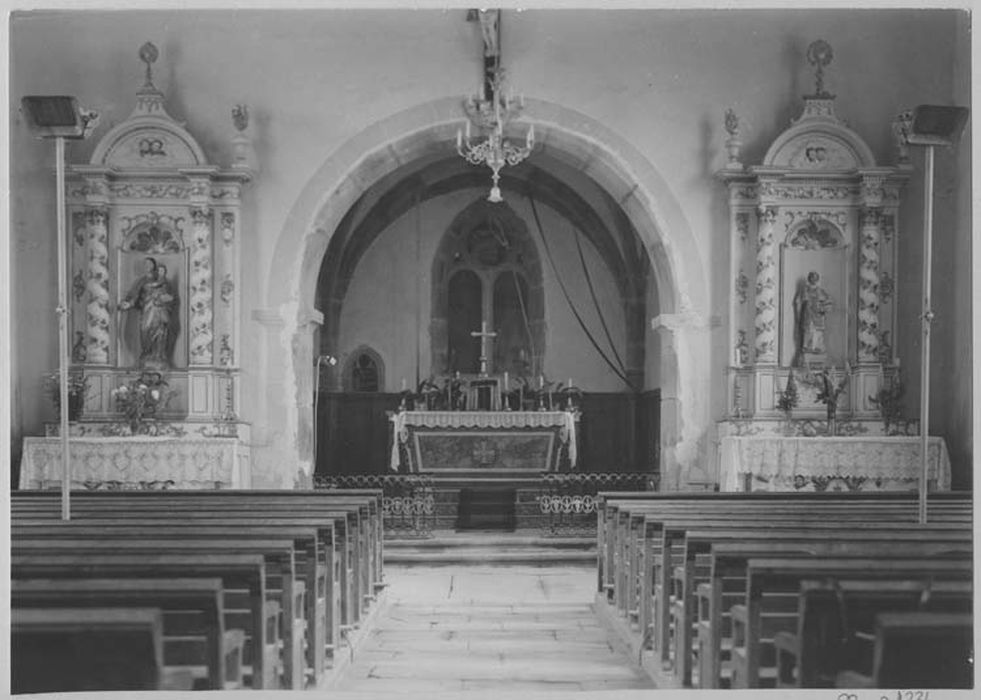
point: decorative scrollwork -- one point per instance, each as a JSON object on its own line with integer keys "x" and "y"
{"x": 408, "y": 500}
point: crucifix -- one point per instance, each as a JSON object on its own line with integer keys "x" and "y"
{"x": 485, "y": 336}
{"x": 490, "y": 32}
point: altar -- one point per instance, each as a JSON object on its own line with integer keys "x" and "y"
{"x": 137, "y": 462}
{"x": 501, "y": 441}
{"x": 866, "y": 463}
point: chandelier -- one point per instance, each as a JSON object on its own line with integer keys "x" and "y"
{"x": 494, "y": 151}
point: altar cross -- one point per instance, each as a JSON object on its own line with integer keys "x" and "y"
{"x": 485, "y": 336}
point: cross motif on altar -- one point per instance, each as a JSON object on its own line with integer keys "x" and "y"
{"x": 485, "y": 336}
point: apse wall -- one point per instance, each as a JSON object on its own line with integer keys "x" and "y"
{"x": 379, "y": 307}
{"x": 660, "y": 79}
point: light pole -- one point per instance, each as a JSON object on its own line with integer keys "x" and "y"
{"x": 330, "y": 361}
{"x": 59, "y": 117}
{"x": 932, "y": 126}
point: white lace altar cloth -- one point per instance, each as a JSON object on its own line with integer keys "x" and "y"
{"x": 404, "y": 421}
{"x": 870, "y": 463}
{"x": 137, "y": 462}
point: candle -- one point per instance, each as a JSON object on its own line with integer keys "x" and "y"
{"x": 897, "y": 362}
{"x": 530, "y": 139}
{"x": 541, "y": 381}
{"x": 403, "y": 383}
{"x": 505, "y": 381}
{"x": 459, "y": 139}
{"x": 468, "y": 130}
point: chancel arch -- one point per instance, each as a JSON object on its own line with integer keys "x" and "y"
{"x": 344, "y": 193}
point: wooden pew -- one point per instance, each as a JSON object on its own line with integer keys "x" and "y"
{"x": 624, "y": 534}
{"x": 193, "y": 616}
{"x": 919, "y": 650}
{"x": 777, "y": 574}
{"x": 836, "y": 619}
{"x": 244, "y": 572}
{"x": 724, "y": 575}
{"x": 89, "y": 649}
{"x": 359, "y": 550}
{"x": 632, "y": 548}
{"x": 346, "y": 551}
{"x": 642, "y": 554}
{"x": 607, "y": 503}
{"x": 308, "y": 604}
{"x": 368, "y": 500}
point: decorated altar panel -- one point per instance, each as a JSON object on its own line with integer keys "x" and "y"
{"x": 138, "y": 462}
{"x": 868, "y": 463}
{"x": 532, "y": 441}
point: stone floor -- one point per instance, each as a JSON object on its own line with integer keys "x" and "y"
{"x": 512, "y": 629}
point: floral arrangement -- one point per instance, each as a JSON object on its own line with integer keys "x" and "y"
{"x": 789, "y": 398}
{"x": 889, "y": 400}
{"x": 140, "y": 398}
{"x": 78, "y": 386}
{"x": 830, "y": 386}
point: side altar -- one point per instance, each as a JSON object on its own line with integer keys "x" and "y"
{"x": 499, "y": 441}
{"x": 813, "y": 378}
{"x": 155, "y": 280}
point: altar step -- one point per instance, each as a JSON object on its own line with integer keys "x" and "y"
{"x": 491, "y": 548}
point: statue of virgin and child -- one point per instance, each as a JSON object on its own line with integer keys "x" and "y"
{"x": 154, "y": 298}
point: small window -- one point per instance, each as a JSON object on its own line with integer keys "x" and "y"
{"x": 364, "y": 373}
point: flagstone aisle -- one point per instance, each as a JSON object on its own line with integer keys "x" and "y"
{"x": 504, "y": 628}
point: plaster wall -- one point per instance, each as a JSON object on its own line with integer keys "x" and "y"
{"x": 659, "y": 79}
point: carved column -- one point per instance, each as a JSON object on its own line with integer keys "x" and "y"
{"x": 868, "y": 286}
{"x": 97, "y": 310}
{"x": 201, "y": 288}
{"x": 766, "y": 288}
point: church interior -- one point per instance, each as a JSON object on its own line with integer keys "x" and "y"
{"x": 322, "y": 321}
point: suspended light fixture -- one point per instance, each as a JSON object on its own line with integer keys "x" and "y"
{"x": 490, "y": 117}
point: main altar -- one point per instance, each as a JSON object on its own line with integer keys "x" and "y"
{"x": 502, "y": 442}
{"x": 814, "y": 379}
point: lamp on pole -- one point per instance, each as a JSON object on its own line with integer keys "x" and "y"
{"x": 330, "y": 361}
{"x": 60, "y": 118}
{"x": 932, "y": 126}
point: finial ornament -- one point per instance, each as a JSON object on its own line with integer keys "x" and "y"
{"x": 819, "y": 55}
{"x": 240, "y": 117}
{"x": 901, "y": 128}
{"x": 149, "y": 55}
{"x": 733, "y": 142}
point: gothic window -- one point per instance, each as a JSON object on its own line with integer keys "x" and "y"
{"x": 465, "y": 307}
{"x": 486, "y": 273}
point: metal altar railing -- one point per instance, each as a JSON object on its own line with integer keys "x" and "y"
{"x": 408, "y": 500}
{"x": 568, "y": 500}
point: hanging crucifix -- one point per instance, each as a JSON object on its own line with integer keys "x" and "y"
{"x": 490, "y": 31}
{"x": 485, "y": 337}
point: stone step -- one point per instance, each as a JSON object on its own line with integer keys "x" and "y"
{"x": 491, "y": 548}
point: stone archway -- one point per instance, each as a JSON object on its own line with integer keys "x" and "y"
{"x": 614, "y": 164}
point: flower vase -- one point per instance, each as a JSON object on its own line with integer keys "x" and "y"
{"x": 832, "y": 419}
{"x": 76, "y": 403}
